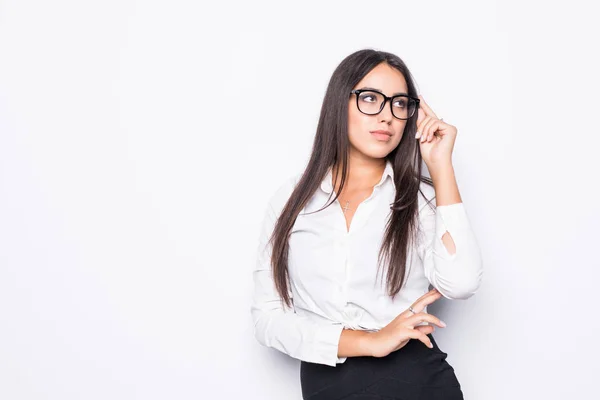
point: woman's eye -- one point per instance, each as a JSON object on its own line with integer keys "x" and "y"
{"x": 368, "y": 98}
{"x": 400, "y": 103}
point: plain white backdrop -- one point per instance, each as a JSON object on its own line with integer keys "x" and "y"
{"x": 140, "y": 141}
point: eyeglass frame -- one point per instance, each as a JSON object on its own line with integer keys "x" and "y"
{"x": 385, "y": 100}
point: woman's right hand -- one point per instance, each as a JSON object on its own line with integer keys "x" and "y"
{"x": 397, "y": 333}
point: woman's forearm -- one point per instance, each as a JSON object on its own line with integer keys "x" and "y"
{"x": 354, "y": 343}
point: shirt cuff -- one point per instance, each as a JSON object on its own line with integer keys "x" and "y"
{"x": 326, "y": 344}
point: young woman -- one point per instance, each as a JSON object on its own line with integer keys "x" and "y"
{"x": 317, "y": 296}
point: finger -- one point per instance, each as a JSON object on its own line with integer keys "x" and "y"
{"x": 440, "y": 128}
{"x": 420, "y": 116}
{"x": 423, "y": 317}
{"x": 436, "y": 130}
{"x": 429, "y": 293}
{"x": 423, "y": 301}
{"x": 426, "y": 108}
{"x": 421, "y": 127}
{"x": 429, "y": 129}
{"x": 417, "y": 334}
{"x": 427, "y": 298}
{"x": 424, "y": 130}
{"x": 433, "y": 130}
{"x": 425, "y": 329}
{"x": 421, "y": 124}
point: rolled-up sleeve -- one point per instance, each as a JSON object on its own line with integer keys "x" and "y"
{"x": 457, "y": 275}
{"x": 296, "y": 335}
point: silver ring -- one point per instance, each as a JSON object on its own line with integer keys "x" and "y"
{"x": 411, "y": 310}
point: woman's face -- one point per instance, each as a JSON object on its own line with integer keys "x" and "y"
{"x": 388, "y": 81}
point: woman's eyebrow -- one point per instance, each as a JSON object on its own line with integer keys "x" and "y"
{"x": 379, "y": 90}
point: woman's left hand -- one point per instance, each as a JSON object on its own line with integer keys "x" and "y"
{"x": 436, "y": 137}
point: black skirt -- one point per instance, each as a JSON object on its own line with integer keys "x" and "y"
{"x": 413, "y": 372}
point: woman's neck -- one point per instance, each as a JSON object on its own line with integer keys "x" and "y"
{"x": 362, "y": 174}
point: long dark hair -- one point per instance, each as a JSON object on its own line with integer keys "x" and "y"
{"x": 330, "y": 147}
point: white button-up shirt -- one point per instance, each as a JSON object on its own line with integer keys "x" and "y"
{"x": 333, "y": 269}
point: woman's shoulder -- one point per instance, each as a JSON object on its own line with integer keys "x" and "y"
{"x": 283, "y": 191}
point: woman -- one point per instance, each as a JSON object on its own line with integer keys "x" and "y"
{"x": 316, "y": 293}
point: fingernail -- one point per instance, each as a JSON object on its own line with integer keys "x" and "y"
{"x": 430, "y": 345}
{"x": 417, "y": 135}
{"x": 442, "y": 323}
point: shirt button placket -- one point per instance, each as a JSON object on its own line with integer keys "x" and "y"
{"x": 344, "y": 249}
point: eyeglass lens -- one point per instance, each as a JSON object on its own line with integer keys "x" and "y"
{"x": 370, "y": 103}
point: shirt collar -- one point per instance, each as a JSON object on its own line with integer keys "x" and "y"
{"x": 327, "y": 185}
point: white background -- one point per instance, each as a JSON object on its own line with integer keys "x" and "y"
{"x": 140, "y": 141}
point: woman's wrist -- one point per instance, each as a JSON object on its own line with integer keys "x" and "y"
{"x": 355, "y": 343}
{"x": 367, "y": 343}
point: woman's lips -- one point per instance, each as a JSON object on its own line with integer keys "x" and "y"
{"x": 382, "y": 137}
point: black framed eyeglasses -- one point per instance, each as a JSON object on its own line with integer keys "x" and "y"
{"x": 371, "y": 102}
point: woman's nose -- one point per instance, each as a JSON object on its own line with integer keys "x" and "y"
{"x": 385, "y": 114}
